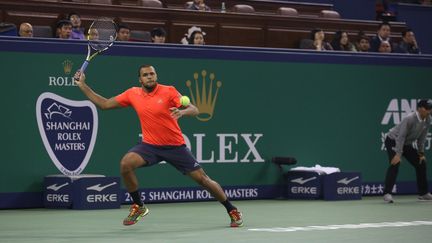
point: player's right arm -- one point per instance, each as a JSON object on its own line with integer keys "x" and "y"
{"x": 98, "y": 100}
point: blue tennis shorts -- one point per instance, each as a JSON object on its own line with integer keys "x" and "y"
{"x": 178, "y": 156}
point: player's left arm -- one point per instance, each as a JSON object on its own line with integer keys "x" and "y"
{"x": 190, "y": 110}
{"x": 178, "y": 110}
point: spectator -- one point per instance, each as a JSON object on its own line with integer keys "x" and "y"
{"x": 385, "y": 47}
{"x": 93, "y": 34}
{"x": 77, "y": 31}
{"x": 199, "y": 5}
{"x": 26, "y": 30}
{"x": 123, "y": 33}
{"x": 195, "y": 36}
{"x": 316, "y": 41}
{"x": 408, "y": 43}
{"x": 341, "y": 42}
{"x": 158, "y": 35}
{"x": 363, "y": 43}
{"x": 383, "y": 34}
{"x": 64, "y": 29}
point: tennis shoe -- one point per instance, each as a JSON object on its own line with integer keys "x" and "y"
{"x": 425, "y": 197}
{"x": 135, "y": 213}
{"x": 236, "y": 218}
{"x": 388, "y": 198}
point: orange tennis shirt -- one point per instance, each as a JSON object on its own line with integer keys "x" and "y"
{"x": 157, "y": 125}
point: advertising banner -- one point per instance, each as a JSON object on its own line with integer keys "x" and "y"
{"x": 333, "y": 112}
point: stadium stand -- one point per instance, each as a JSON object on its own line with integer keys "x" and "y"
{"x": 42, "y": 31}
{"x": 243, "y": 8}
{"x": 140, "y": 35}
{"x": 261, "y": 6}
{"x": 329, "y": 14}
{"x": 109, "y": 2}
{"x": 287, "y": 11}
{"x": 150, "y": 3}
{"x": 252, "y": 29}
{"x": 8, "y": 29}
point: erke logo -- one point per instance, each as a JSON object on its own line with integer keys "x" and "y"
{"x": 345, "y": 180}
{"x": 100, "y": 188}
{"x": 206, "y": 100}
{"x": 57, "y": 196}
{"x": 55, "y": 188}
{"x": 304, "y": 189}
{"x": 302, "y": 181}
{"x": 68, "y": 130}
{"x": 348, "y": 190}
{"x": 109, "y": 197}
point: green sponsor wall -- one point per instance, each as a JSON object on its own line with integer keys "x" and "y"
{"x": 327, "y": 114}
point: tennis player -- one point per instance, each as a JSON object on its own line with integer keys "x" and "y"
{"x": 399, "y": 142}
{"x": 158, "y": 108}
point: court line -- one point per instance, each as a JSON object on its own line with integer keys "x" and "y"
{"x": 344, "y": 226}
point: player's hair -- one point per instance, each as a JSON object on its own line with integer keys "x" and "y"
{"x": 158, "y": 31}
{"x": 313, "y": 32}
{"x": 122, "y": 26}
{"x": 383, "y": 24}
{"x": 63, "y": 22}
{"x": 192, "y": 36}
{"x": 71, "y": 14}
{"x": 362, "y": 36}
{"x": 406, "y": 31}
{"x": 143, "y": 66}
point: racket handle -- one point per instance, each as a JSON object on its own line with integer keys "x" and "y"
{"x": 84, "y": 66}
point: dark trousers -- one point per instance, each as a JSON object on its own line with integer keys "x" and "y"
{"x": 411, "y": 154}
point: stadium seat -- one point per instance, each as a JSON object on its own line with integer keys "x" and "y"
{"x": 150, "y": 3}
{"x": 188, "y": 4}
{"x": 243, "y": 8}
{"x": 8, "y": 29}
{"x": 287, "y": 11}
{"x": 140, "y": 35}
{"x": 42, "y": 31}
{"x": 329, "y": 14}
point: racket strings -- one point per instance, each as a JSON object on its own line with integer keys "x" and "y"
{"x": 102, "y": 34}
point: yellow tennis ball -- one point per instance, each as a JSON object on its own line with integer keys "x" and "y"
{"x": 184, "y": 100}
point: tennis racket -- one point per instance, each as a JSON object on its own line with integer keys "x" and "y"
{"x": 101, "y": 35}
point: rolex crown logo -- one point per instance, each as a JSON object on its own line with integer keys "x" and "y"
{"x": 204, "y": 98}
{"x": 67, "y": 66}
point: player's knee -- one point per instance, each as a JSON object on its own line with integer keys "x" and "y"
{"x": 127, "y": 164}
{"x": 204, "y": 180}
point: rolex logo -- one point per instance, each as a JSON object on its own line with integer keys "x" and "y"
{"x": 67, "y": 66}
{"x": 204, "y": 98}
